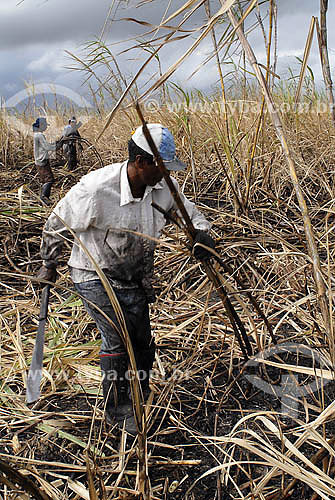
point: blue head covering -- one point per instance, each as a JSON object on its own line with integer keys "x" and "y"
{"x": 39, "y": 122}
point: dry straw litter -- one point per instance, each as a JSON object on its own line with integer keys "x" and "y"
{"x": 265, "y": 180}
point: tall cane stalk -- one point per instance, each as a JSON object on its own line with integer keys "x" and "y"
{"x": 277, "y": 122}
{"x": 261, "y": 114}
{"x": 215, "y": 46}
{"x": 322, "y": 39}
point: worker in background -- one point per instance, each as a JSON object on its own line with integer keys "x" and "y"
{"x": 70, "y": 146}
{"x": 41, "y": 155}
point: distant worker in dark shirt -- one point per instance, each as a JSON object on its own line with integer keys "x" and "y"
{"x": 70, "y": 146}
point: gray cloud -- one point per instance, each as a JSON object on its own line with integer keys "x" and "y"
{"x": 34, "y": 22}
{"x": 35, "y": 35}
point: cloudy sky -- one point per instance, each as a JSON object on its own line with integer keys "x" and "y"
{"x": 34, "y": 35}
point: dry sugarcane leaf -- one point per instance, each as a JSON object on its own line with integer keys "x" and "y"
{"x": 305, "y": 60}
{"x": 79, "y": 488}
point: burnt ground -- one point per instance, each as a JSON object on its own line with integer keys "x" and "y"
{"x": 207, "y": 410}
{"x": 173, "y": 447}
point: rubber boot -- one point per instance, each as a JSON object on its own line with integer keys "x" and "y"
{"x": 115, "y": 388}
{"x": 144, "y": 362}
{"x": 45, "y": 193}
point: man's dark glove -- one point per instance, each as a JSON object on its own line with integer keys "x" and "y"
{"x": 46, "y": 273}
{"x": 59, "y": 143}
{"x": 203, "y": 238}
{"x": 149, "y": 290}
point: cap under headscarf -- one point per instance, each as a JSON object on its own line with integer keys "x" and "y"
{"x": 39, "y": 122}
{"x": 164, "y": 142}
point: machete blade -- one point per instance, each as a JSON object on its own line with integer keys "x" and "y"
{"x": 35, "y": 370}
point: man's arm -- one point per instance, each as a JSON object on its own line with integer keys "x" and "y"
{"x": 53, "y": 236}
{"x": 47, "y": 146}
{"x": 75, "y": 211}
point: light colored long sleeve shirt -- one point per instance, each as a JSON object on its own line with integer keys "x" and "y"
{"x": 71, "y": 129}
{"x": 101, "y": 210}
{"x": 42, "y": 148}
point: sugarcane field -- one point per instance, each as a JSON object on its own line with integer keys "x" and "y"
{"x": 167, "y": 254}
